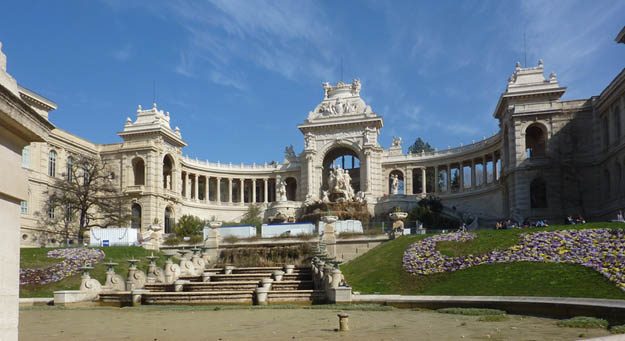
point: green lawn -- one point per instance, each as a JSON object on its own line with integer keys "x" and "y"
{"x": 380, "y": 270}
{"x": 35, "y": 258}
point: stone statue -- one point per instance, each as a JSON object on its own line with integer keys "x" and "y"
{"x": 326, "y": 88}
{"x": 360, "y": 197}
{"x": 395, "y": 184}
{"x": 310, "y": 200}
{"x": 281, "y": 191}
{"x": 356, "y": 87}
{"x": 289, "y": 153}
{"x": 396, "y": 141}
{"x": 310, "y": 141}
{"x": 325, "y": 198}
{"x": 339, "y": 183}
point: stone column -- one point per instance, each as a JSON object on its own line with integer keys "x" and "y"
{"x": 407, "y": 181}
{"x": 230, "y": 190}
{"x": 206, "y": 190}
{"x": 424, "y": 182}
{"x": 472, "y": 173}
{"x": 494, "y": 168}
{"x": 448, "y": 178}
{"x": 241, "y": 191}
{"x": 484, "y": 171}
{"x": 196, "y": 184}
{"x": 367, "y": 179}
{"x": 218, "y": 190}
{"x": 265, "y": 190}
{"x": 436, "y": 174}
{"x": 309, "y": 174}
{"x": 253, "y": 191}
{"x": 461, "y": 168}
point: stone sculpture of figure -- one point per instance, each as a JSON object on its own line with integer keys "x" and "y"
{"x": 326, "y": 88}
{"x": 360, "y": 197}
{"x": 339, "y": 182}
{"x": 356, "y": 87}
{"x": 310, "y": 140}
{"x": 288, "y": 152}
{"x": 325, "y": 198}
{"x": 281, "y": 191}
{"x": 310, "y": 200}
{"x": 395, "y": 184}
{"x": 396, "y": 141}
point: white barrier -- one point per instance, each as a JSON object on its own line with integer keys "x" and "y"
{"x": 113, "y": 237}
{"x": 276, "y": 230}
{"x": 239, "y": 231}
{"x": 353, "y": 226}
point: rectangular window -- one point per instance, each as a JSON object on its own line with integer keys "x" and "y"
{"x": 51, "y": 213}
{"x": 26, "y": 157}
{"x": 24, "y": 207}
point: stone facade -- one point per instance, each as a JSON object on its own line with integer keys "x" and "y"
{"x": 550, "y": 158}
{"x": 19, "y": 126}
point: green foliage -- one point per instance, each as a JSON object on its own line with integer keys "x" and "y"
{"x": 420, "y": 146}
{"x": 172, "y": 241}
{"x": 620, "y": 329}
{"x": 493, "y": 318}
{"x": 380, "y": 270}
{"x": 231, "y": 239}
{"x": 189, "y": 225}
{"x": 429, "y": 213}
{"x": 583, "y": 322}
{"x": 252, "y": 216}
{"x": 471, "y": 311}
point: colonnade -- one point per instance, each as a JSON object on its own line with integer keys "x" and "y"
{"x": 448, "y": 177}
{"x": 228, "y": 190}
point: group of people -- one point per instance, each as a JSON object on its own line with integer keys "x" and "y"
{"x": 569, "y": 220}
{"x": 511, "y": 224}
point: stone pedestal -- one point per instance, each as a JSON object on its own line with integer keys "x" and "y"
{"x": 211, "y": 244}
{"x": 398, "y": 224}
{"x": 329, "y": 236}
{"x": 339, "y": 295}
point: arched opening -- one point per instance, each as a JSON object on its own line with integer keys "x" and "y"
{"x": 538, "y": 193}
{"x": 535, "y": 141}
{"x": 291, "y": 188}
{"x": 136, "y": 216}
{"x": 396, "y": 182}
{"x": 169, "y": 220}
{"x": 346, "y": 159}
{"x": 168, "y": 168}
{"x": 138, "y": 170}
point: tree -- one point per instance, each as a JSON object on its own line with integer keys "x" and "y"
{"x": 252, "y": 216}
{"x": 189, "y": 225}
{"x": 420, "y": 146}
{"x": 84, "y": 197}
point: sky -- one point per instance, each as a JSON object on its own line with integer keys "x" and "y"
{"x": 238, "y": 76}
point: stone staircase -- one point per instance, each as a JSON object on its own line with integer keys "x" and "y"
{"x": 238, "y": 286}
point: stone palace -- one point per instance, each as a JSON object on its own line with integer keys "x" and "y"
{"x": 550, "y": 158}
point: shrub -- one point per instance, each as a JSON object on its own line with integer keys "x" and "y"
{"x": 583, "y": 322}
{"x": 620, "y": 329}
{"x": 189, "y": 225}
{"x": 195, "y": 239}
{"x": 231, "y": 239}
{"x": 172, "y": 241}
{"x": 471, "y": 311}
{"x": 429, "y": 213}
{"x": 252, "y": 216}
{"x": 493, "y": 318}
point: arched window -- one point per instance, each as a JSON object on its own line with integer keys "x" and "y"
{"x": 138, "y": 169}
{"x": 168, "y": 167}
{"x": 396, "y": 182}
{"x": 136, "y": 216}
{"x": 535, "y": 141}
{"x": 291, "y": 188}
{"x": 169, "y": 220}
{"x": 538, "y": 193}
{"x": 70, "y": 163}
{"x": 52, "y": 163}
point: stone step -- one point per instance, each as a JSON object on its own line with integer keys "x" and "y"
{"x": 292, "y": 285}
{"x": 216, "y": 297}
{"x": 239, "y": 277}
{"x": 284, "y": 296}
{"x": 221, "y": 286}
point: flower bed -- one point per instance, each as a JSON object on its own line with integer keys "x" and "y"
{"x": 599, "y": 249}
{"x": 73, "y": 260}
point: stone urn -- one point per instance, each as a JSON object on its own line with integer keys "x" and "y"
{"x": 398, "y": 223}
{"x": 215, "y": 224}
{"x": 214, "y": 233}
{"x": 329, "y": 219}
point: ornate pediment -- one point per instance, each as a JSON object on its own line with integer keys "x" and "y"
{"x": 341, "y": 100}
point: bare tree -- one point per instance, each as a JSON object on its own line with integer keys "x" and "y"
{"x": 83, "y": 198}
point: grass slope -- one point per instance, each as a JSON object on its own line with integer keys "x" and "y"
{"x": 36, "y": 258}
{"x": 380, "y": 270}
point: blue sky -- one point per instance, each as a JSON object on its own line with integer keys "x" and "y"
{"x": 238, "y": 76}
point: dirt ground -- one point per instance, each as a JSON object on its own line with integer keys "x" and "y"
{"x": 280, "y": 324}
